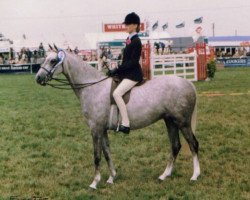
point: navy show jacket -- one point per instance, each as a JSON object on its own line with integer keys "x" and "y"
{"x": 130, "y": 67}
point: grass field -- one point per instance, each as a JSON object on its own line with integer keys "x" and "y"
{"x": 46, "y": 147}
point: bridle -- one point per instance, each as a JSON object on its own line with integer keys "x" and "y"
{"x": 63, "y": 83}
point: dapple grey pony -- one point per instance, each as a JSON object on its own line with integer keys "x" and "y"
{"x": 170, "y": 98}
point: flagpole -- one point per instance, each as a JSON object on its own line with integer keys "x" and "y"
{"x": 213, "y": 27}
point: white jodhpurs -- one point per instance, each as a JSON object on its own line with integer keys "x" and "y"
{"x": 122, "y": 88}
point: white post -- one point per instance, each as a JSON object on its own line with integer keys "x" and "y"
{"x": 195, "y": 67}
{"x": 31, "y": 70}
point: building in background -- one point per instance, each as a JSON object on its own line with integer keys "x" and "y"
{"x": 230, "y": 46}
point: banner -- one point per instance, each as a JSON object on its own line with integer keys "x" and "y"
{"x": 119, "y": 27}
{"x": 25, "y": 68}
{"x": 236, "y": 62}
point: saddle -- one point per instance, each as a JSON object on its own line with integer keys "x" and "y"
{"x": 115, "y": 82}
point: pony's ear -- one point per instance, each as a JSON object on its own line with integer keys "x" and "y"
{"x": 51, "y": 48}
{"x": 55, "y": 47}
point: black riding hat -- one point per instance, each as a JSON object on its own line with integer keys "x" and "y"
{"x": 132, "y": 18}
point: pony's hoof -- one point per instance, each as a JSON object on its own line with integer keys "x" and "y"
{"x": 92, "y": 186}
{"x": 193, "y": 178}
{"x": 111, "y": 179}
{"x": 161, "y": 178}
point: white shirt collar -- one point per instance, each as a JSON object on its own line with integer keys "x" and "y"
{"x": 131, "y": 35}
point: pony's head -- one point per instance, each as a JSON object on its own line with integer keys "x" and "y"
{"x": 52, "y": 66}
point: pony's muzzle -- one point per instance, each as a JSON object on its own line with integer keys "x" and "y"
{"x": 40, "y": 79}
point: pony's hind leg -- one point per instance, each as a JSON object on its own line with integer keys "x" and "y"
{"x": 194, "y": 147}
{"x": 106, "y": 152}
{"x": 173, "y": 134}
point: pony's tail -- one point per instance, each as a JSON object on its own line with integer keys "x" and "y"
{"x": 194, "y": 117}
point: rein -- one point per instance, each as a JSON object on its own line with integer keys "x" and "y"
{"x": 64, "y": 82}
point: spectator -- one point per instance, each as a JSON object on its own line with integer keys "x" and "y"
{"x": 76, "y": 50}
{"x": 6, "y": 61}
{"x": 104, "y": 54}
{"x": 1, "y": 59}
{"x": 93, "y": 57}
{"x": 162, "y": 45}
{"x": 244, "y": 52}
{"x": 85, "y": 58}
{"x": 157, "y": 47}
{"x": 236, "y": 55}
{"x": 109, "y": 55}
{"x": 41, "y": 50}
{"x": 11, "y": 53}
{"x": 29, "y": 55}
{"x": 35, "y": 56}
{"x": 23, "y": 58}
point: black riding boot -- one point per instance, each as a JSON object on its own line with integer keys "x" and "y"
{"x": 124, "y": 129}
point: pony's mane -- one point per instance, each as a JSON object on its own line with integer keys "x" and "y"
{"x": 77, "y": 61}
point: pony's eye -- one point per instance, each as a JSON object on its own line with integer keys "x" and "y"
{"x": 53, "y": 61}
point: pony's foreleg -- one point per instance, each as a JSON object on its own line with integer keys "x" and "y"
{"x": 97, "y": 143}
{"x": 106, "y": 152}
{"x": 194, "y": 147}
{"x": 173, "y": 134}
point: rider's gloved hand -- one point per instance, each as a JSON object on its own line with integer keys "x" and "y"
{"x": 112, "y": 72}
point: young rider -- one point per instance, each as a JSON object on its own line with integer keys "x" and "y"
{"x": 129, "y": 72}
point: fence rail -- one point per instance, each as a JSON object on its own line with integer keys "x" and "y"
{"x": 182, "y": 65}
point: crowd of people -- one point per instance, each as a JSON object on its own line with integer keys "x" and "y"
{"x": 26, "y": 55}
{"x": 239, "y": 52}
{"x": 90, "y": 58}
{"x": 36, "y": 56}
{"x": 85, "y": 55}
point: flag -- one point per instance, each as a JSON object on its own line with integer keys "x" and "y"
{"x": 24, "y": 36}
{"x": 198, "y": 20}
{"x": 146, "y": 24}
{"x": 165, "y": 26}
{"x": 197, "y": 33}
{"x": 155, "y": 26}
{"x": 181, "y": 25}
{"x": 198, "y": 30}
{"x": 10, "y": 41}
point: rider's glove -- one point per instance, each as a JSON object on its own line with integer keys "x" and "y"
{"x": 112, "y": 72}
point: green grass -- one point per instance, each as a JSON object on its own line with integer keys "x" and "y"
{"x": 46, "y": 147}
